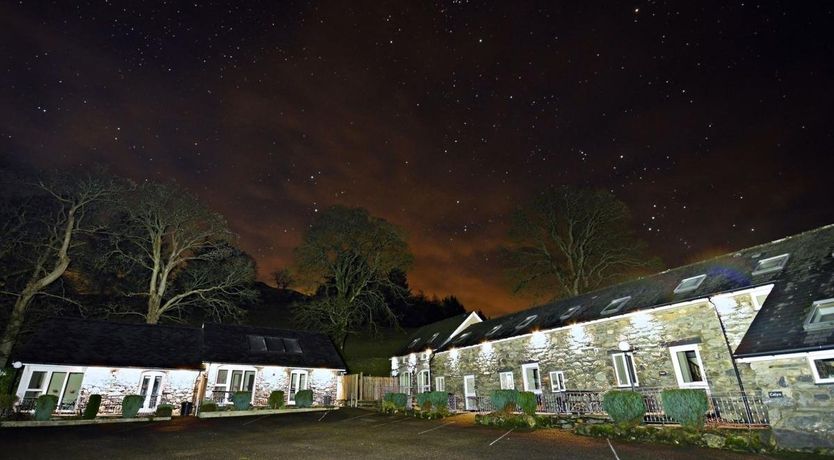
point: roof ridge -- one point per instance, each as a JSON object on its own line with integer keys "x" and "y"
{"x": 123, "y": 323}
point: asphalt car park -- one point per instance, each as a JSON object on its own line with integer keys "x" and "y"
{"x": 343, "y": 433}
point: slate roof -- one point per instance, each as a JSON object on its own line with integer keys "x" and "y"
{"x": 106, "y": 343}
{"x": 777, "y": 328}
{"x": 420, "y": 339}
{"x": 224, "y": 343}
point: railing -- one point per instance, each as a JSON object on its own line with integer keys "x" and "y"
{"x": 577, "y": 402}
{"x": 110, "y": 404}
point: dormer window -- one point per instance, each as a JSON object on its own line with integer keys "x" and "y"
{"x": 569, "y": 312}
{"x": 771, "y": 264}
{"x": 690, "y": 284}
{"x": 615, "y": 305}
{"x": 493, "y": 331}
{"x": 821, "y": 317}
{"x": 527, "y": 321}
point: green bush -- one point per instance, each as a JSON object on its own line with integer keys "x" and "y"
{"x": 423, "y": 401}
{"x": 208, "y": 406}
{"x": 304, "y": 398}
{"x": 504, "y": 400}
{"x": 131, "y": 405}
{"x": 527, "y": 402}
{"x": 164, "y": 410}
{"x": 276, "y": 400}
{"x": 45, "y": 406}
{"x": 686, "y": 406}
{"x": 624, "y": 406}
{"x": 91, "y": 409}
{"x": 7, "y": 401}
{"x": 398, "y": 400}
{"x": 241, "y": 400}
{"x": 439, "y": 400}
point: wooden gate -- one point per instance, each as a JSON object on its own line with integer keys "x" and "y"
{"x": 361, "y": 390}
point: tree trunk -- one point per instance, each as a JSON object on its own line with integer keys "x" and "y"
{"x": 154, "y": 302}
{"x": 15, "y": 324}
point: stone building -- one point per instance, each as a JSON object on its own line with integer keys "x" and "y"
{"x": 73, "y": 359}
{"x": 758, "y": 322}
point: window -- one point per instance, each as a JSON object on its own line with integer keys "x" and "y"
{"x": 405, "y": 382}
{"x": 506, "y": 380}
{"x": 771, "y": 264}
{"x": 689, "y": 369}
{"x": 615, "y": 305}
{"x": 440, "y": 383}
{"x": 690, "y": 284}
{"x": 527, "y": 321}
{"x": 261, "y": 344}
{"x": 569, "y": 312}
{"x": 557, "y": 381}
{"x": 150, "y": 389}
{"x": 462, "y": 337}
{"x": 35, "y": 387}
{"x": 822, "y": 366}
{"x": 298, "y": 382}
{"x": 433, "y": 336}
{"x": 61, "y": 383}
{"x": 423, "y": 382}
{"x": 532, "y": 379}
{"x": 822, "y": 315}
{"x": 230, "y": 380}
{"x": 493, "y": 330}
{"x": 413, "y": 342}
{"x": 624, "y": 369}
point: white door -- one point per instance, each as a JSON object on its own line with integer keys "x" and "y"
{"x": 151, "y": 391}
{"x": 298, "y": 382}
{"x": 469, "y": 392}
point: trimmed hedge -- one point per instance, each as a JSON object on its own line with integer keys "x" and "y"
{"x": 131, "y": 405}
{"x": 91, "y": 409}
{"x": 686, "y": 406}
{"x": 44, "y": 407}
{"x": 7, "y": 401}
{"x": 398, "y": 400}
{"x": 276, "y": 400}
{"x": 241, "y": 400}
{"x": 504, "y": 400}
{"x": 433, "y": 400}
{"x": 164, "y": 410}
{"x": 304, "y": 398}
{"x": 208, "y": 406}
{"x": 527, "y": 402}
{"x": 624, "y": 406}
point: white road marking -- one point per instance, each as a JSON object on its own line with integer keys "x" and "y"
{"x": 255, "y": 420}
{"x": 325, "y": 415}
{"x": 358, "y": 416}
{"x": 395, "y": 421}
{"x": 500, "y": 437}
{"x": 435, "y": 428}
{"x": 612, "y": 449}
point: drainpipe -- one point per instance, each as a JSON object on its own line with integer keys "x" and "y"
{"x": 733, "y": 361}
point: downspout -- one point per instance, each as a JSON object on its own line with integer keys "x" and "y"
{"x": 733, "y": 361}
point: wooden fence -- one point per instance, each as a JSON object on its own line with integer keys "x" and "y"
{"x": 356, "y": 389}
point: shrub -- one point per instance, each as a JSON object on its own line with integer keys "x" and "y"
{"x": 7, "y": 402}
{"x": 208, "y": 406}
{"x": 686, "y": 406}
{"x": 131, "y": 405}
{"x": 527, "y": 402}
{"x": 504, "y": 400}
{"x": 45, "y": 406}
{"x": 439, "y": 400}
{"x": 241, "y": 400}
{"x": 164, "y": 410}
{"x": 276, "y": 400}
{"x": 423, "y": 401}
{"x": 398, "y": 400}
{"x": 91, "y": 409}
{"x": 624, "y": 406}
{"x": 304, "y": 398}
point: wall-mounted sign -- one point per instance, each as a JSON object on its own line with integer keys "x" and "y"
{"x": 775, "y": 394}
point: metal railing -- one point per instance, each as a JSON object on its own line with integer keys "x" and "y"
{"x": 576, "y": 402}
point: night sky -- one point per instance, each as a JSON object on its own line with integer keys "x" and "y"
{"x": 713, "y": 121}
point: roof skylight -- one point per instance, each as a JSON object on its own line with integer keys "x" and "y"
{"x": 433, "y": 336}
{"x": 569, "y": 312}
{"x": 690, "y": 284}
{"x": 462, "y": 336}
{"x": 493, "y": 330}
{"x": 615, "y": 305}
{"x": 414, "y": 342}
{"x": 526, "y": 321}
{"x": 261, "y": 344}
{"x": 771, "y": 264}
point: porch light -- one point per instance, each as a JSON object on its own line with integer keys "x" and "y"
{"x": 624, "y": 346}
{"x": 17, "y": 364}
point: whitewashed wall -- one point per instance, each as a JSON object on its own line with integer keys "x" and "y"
{"x": 323, "y": 382}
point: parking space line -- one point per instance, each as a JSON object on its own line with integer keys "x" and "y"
{"x": 616, "y": 457}
{"x": 256, "y": 419}
{"x": 325, "y": 415}
{"x": 395, "y": 421}
{"x": 435, "y": 428}
{"x": 358, "y": 416}
{"x": 500, "y": 437}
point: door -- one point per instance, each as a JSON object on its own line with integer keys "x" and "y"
{"x": 65, "y": 387}
{"x": 469, "y": 392}
{"x": 151, "y": 391}
{"x": 298, "y": 382}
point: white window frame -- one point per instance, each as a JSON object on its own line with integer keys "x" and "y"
{"x": 440, "y": 383}
{"x": 299, "y": 372}
{"x": 627, "y": 382}
{"x": 48, "y": 370}
{"x": 620, "y": 303}
{"x": 673, "y": 352}
{"x": 405, "y": 376}
{"x": 828, "y": 354}
{"x": 511, "y": 381}
{"x": 696, "y": 280}
{"x": 759, "y": 271}
{"x": 146, "y": 407}
{"x": 226, "y": 386}
{"x": 527, "y": 386}
{"x": 425, "y": 376}
{"x": 557, "y": 378}
{"x": 810, "y": 324}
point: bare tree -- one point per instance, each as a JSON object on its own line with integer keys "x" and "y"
{"x": 283, "y": 278}
{"x": 569, "y": 241}
{"x": 42, "y": 225}
{"x": 349, "y": 255}
{"x": 183, "y": 254}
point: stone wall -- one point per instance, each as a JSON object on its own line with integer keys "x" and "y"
{"x": 413, "y": 363}
{"x": 583, "y": 352}
{"x": 113, "y": 384}
{"x": 323, "y": 382}
{"x": 804, "y": 414}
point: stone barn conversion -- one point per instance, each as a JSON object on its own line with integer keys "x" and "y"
{"x": 753, "y": 328}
